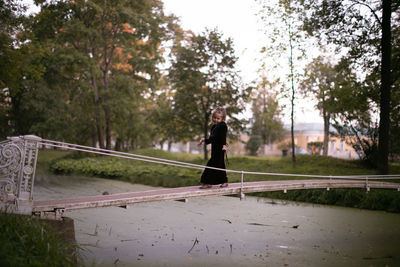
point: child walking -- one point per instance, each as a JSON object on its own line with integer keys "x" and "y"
{"x": 218, "y": 149}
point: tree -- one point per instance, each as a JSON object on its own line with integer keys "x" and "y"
{"x": 364, "y": 28}
{"x": 321, "y": 83}
{"x": 267, "y": 124}
{"x": 253, "y": 144}
{"x": 164, "y": 114}
{"x": 20, "y": 68}
{"x": 394, "y": 148}
{"x": 286, "y": 38}
{"x": 351, "y": 111}
{"x": 204, "y": 77}
{"x": 116, "y": 48}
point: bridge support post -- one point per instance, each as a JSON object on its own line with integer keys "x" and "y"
{"x": 18, "y": 157}
{"x": 241, "y": 194}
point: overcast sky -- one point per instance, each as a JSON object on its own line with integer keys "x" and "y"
{"x": 234, "y": 18}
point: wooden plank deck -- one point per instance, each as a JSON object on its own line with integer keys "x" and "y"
{"x": 123, "y": 199}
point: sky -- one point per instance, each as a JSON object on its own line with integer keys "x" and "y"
{"x": 235, "y": 19}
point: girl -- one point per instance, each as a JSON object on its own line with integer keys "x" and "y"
{"x": 218, "y": 149}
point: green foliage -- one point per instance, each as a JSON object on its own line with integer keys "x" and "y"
{"x": 253, "y": 144}
{"x": 314, "y": 147}
{"x": 363, "y": 29}
{"x": 170, "y": 176}
{"x": 99, "y": 50}
{"x": 204, "y": 76}
{"x": 376, "y": 199}
{"x": 266, "y": 122}
{"x": 345, "y": 101}
{"x": 363, "y": 138}
{"x": 287, "y": 47}
{"x": 26, "y": 241}
{"x": 163, "y": 113}
{"x": 20, "y": 69}
{"x": 352, "y": 25}
{"x": 80, "y": 70}
{"x": 129, "y": 170}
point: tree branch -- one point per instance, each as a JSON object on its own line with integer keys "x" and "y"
{"x": 370, "y": 8}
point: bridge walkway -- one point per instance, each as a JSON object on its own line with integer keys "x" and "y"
{"x": 124, "y": 199}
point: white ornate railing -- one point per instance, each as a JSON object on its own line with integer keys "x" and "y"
{"x": 18, "y": 156}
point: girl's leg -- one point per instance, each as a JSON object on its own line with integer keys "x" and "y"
{"x": 205, "y": 186}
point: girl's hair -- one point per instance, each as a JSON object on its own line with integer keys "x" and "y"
{"x": 221, "y": 111}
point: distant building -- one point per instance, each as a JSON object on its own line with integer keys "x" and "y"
{"x": 304, "y": 134}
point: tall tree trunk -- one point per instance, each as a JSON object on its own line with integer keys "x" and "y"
{"x": 292, "y": 100}
{"x": 99, "y": 127}
{"x": 118, "y": 144}
{"x": 108, "y": 127}
{"x": 326, "y": 133}
{"x": 94, "y": 137}
{"x": 107, "y": 62}
{"x": 162, "y": 143}
{"x": 386, "y": 82}
{"x": 169, "y": 145}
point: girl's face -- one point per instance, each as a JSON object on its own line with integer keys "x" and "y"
{"x": 217, "y": 118}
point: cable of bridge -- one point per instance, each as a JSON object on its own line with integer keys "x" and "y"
{"x": 119, "y": 154}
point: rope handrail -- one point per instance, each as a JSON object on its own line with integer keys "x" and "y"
{"x": 124, "y": 153}
{"x": 137, "y": 158}
{"x": 175, "y": 163}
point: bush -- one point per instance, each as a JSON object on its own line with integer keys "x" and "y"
{"x": 377, "y": 199}
{"x": 134, "y": 172}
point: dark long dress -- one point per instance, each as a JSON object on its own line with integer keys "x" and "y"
{"x": 217, "y": 140}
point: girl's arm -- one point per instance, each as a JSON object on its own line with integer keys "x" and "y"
{"x": 201, "y": 142}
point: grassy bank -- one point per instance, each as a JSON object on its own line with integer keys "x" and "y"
{"x": 377, "y": 199}
{"x": 27, "y": 241}
{"x": 168, "y": 176}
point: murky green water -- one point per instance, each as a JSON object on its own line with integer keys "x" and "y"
{"x": 224, "y": 231}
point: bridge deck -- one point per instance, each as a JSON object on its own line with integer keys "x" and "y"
{"x": 123, "y": 199}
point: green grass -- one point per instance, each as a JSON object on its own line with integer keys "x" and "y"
{"x": 169, "y": 176}
{"x": 46, "y": 157}
{"x": 161, "y": 175}
{"x": 26, "y": 241}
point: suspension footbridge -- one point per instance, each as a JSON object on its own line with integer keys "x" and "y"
{"x": 18, "y": 165}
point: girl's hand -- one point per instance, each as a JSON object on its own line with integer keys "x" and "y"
{"x": 224, "y": 148}
{"x": 200, "y": 142}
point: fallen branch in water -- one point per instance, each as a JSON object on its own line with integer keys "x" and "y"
{"x": 194, "y": 244}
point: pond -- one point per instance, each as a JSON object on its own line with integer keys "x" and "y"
{"x": 223, "y": 230}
